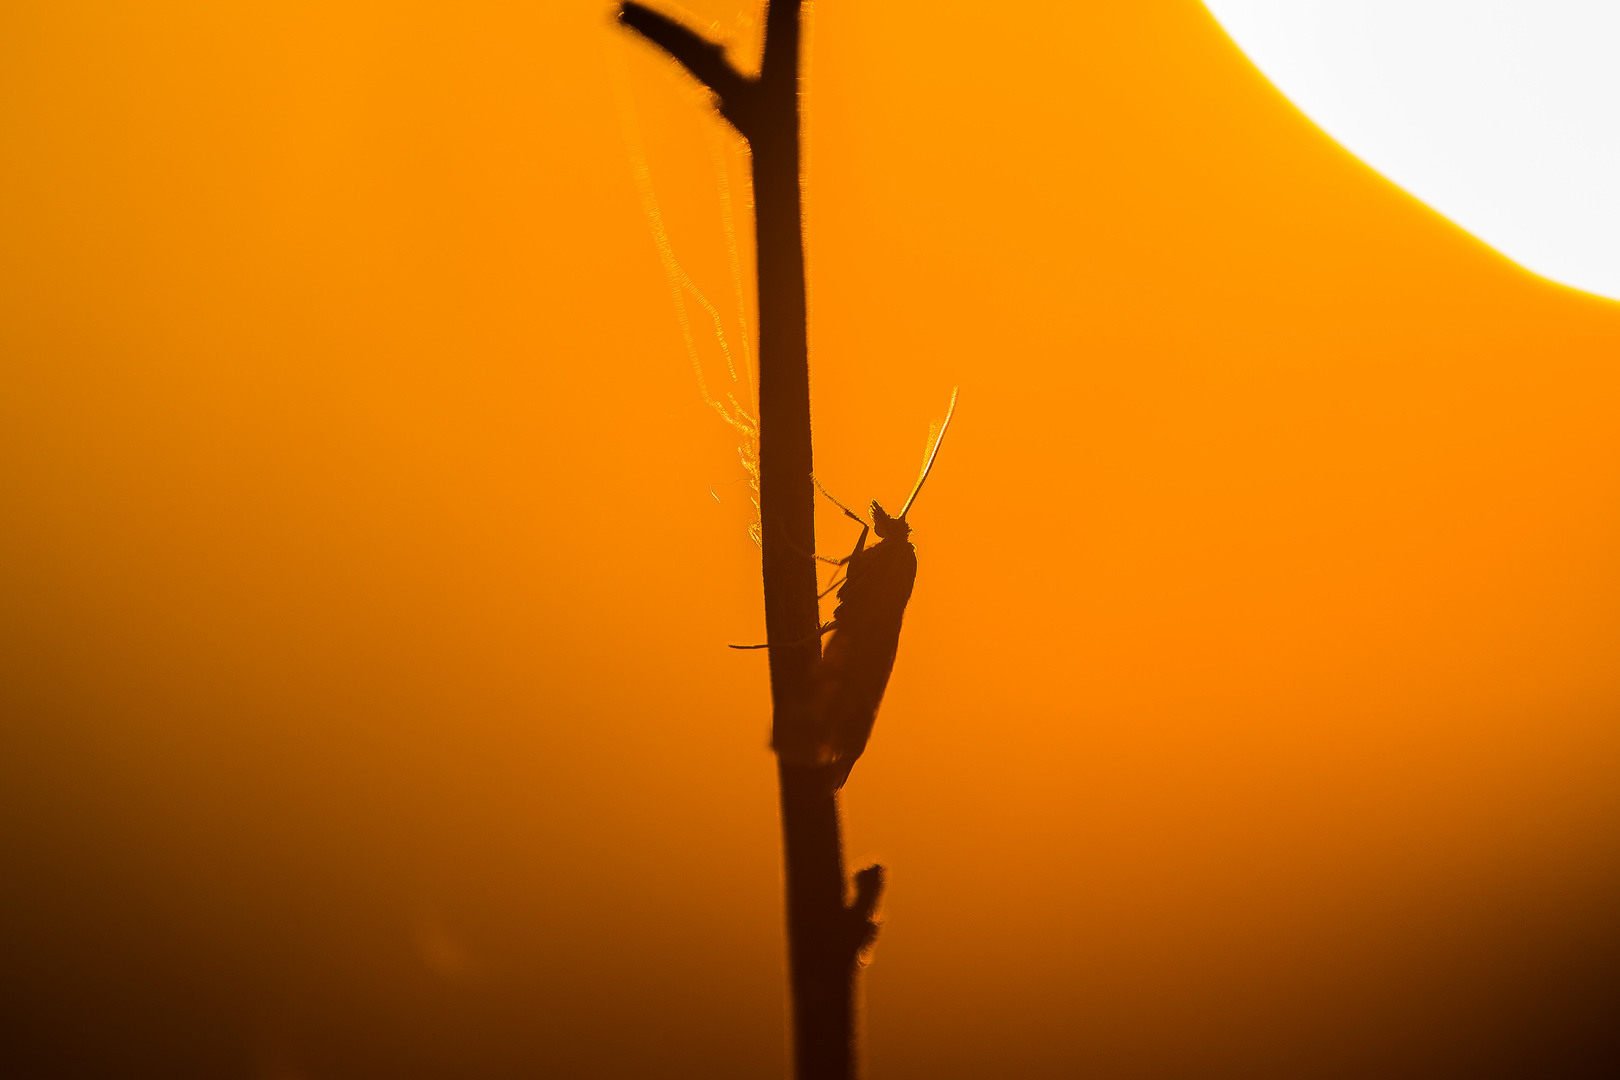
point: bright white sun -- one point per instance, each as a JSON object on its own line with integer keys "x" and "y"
{"x": 1503, "y": 115}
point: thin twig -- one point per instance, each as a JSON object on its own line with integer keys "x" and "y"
{"x": 826, "y": 934}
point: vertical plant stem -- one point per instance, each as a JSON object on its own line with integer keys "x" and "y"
{"x": 825, "y": 935}
{"x": 821, "y": 964}
{"x": 821, "y": 951}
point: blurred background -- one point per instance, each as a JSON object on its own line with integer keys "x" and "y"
{"x": 369, "y": 557}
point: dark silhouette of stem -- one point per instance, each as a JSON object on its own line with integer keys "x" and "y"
{"x": 826, "y": 934}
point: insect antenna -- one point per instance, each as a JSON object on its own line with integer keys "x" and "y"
{"x": 929, "y": 464}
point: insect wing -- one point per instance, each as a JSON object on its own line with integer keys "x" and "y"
{"x": 859, "y": 656}
{"x": 877, "y": 589}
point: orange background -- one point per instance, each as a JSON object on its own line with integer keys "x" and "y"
{"x": 366, "y": 705}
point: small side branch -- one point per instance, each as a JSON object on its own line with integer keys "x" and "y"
{"x": 705, "y": 59}
{"x": 868, "y": 890}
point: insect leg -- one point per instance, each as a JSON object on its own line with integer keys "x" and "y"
{"x": 826, "y": 628}
{"x": 860, "y": 543}
{"x": 828, "y": 558}
{"x": 835, "y": 502}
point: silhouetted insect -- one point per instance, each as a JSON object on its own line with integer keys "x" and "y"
{"x": 857, "y": 659}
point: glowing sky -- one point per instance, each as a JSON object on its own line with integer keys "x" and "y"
{"x": 370, "y": 557}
